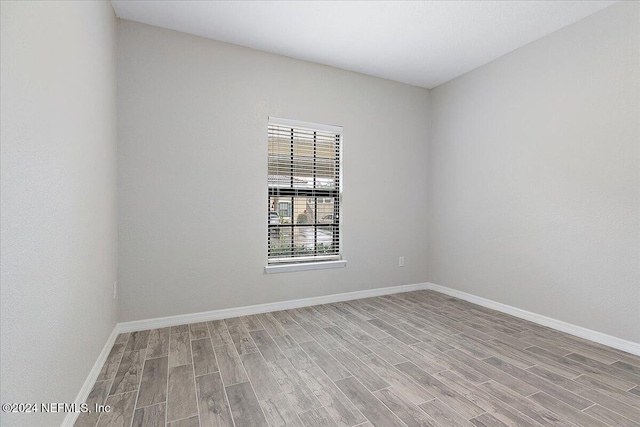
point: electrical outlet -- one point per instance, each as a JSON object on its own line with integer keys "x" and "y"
{"x": 401, "y": 261}
{"x": 115, "y": 290}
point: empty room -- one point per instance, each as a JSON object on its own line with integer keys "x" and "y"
{"x": 322, "y": 213}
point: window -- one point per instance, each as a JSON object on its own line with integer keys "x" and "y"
{"x": 284, "y": 209}
{"x": 304, "y": 189}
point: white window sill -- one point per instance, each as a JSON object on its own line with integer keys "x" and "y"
{"x": 286, "y": 268}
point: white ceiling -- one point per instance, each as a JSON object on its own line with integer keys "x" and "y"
{"x": 420, "y": 43}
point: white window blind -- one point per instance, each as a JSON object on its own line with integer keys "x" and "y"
{"x": 304, "y": 189}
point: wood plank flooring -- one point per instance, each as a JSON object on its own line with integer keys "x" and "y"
{"x": 412, "y": 359}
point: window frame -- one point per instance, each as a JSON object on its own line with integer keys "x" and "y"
{"x": 316, "y": 261}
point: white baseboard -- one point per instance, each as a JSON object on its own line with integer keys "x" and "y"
{"x": 162, "y": 322}
{"x": 83, "y": 395}
{"x": 569, "y": 328}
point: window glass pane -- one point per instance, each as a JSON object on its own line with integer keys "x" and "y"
{"x": 303, "y": 226}
{"x": 311, "y": 160}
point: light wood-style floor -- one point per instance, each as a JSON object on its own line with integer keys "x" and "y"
{"x": 413, "y": 359}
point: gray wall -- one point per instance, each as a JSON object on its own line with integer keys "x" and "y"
{"x": 58, "y": 199}
{"x": 192, "y": 170}
{"x": 534, "y": 176}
